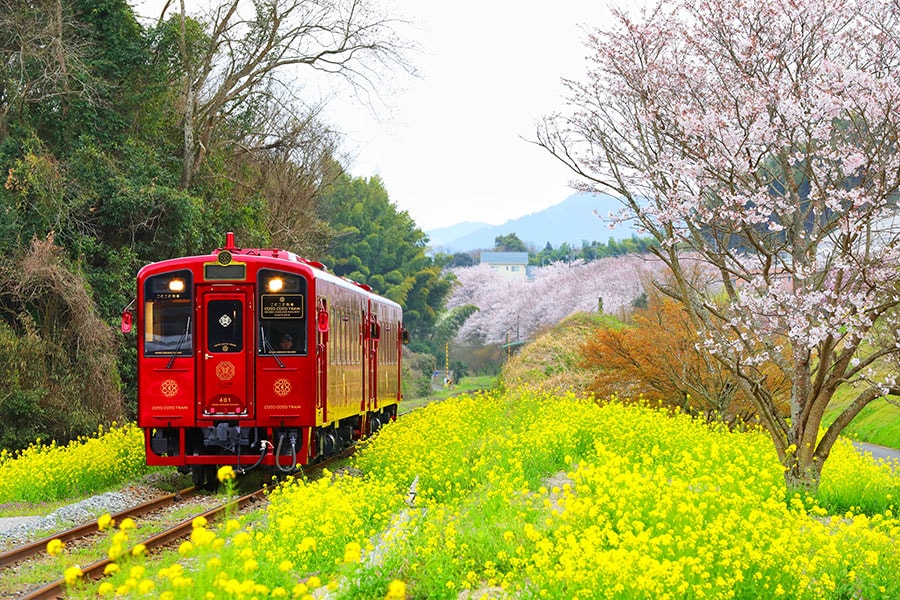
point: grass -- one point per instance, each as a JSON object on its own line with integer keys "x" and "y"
{"x": 29, "y": 509}
{"x": 877, "y": 423}
{"x": 466, "y": 385}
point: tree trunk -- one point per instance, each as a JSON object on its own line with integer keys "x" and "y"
{"x": 187, "y": 164}
{"x": 801, "y": 474}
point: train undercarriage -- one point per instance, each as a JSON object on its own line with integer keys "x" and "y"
{"x": 281, "y": 449}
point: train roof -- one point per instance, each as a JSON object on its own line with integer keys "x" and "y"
{"x": 223, "y": 256}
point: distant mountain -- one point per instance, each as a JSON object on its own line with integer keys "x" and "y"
{"x": 572, "y": 220}
{"x": 442, "y": 235}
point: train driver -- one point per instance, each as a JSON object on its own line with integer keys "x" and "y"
{"x": 286, "y": 343}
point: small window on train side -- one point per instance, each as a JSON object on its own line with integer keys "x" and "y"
{"x": 168, "y": 304}
{"x": 282, "y": 312}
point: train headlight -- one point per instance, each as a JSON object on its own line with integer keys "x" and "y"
{"x": 275, "y": 284}
{"x": 176, "y": 285}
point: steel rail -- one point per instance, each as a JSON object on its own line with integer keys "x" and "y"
{"x": 17, "y": 554}
{"x": 56, "y": 589}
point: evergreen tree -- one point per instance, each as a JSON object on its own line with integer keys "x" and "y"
{"x": 378, "y": 245}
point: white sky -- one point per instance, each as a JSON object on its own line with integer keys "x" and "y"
{"x": 449, "y": 145}
{"x": 489, "y": 69}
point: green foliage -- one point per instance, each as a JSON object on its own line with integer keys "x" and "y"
{"x": 378, "y": 245}
{"x": 449, "y": 322}
{"x": 36, "y": 402}
{"x": 91, "y": 152}
{"x": 416, "y": 374}
{"x": 877, "y": 423}
{"x": 590, "y": 251}
{"x": 509, "y": 243}
{"x": 22, "y": 418}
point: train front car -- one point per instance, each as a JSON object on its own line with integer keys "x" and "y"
{"x": 259, "y": 357}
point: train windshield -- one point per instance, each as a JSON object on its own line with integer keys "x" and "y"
{"x": 167, "y": 314}
{"x": 282, "y": 313}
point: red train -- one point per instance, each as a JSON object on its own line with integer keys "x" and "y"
{"x": 250, "y": 357}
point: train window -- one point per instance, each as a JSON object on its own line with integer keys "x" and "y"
{"x": 282, "y": 313}
{"x": 225, "y": 331}
{"x": 167, "y": 314}
{"x": 233, "y": 272}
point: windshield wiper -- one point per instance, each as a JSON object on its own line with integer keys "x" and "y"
{"x": 184, "y": 335}
{"x": 267, "y": 345}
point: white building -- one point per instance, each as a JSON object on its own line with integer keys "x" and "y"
{"x": 511, "y": 264}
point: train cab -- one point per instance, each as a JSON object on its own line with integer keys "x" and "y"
{"x": 253, "y": 357}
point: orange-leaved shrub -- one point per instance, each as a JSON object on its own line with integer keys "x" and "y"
{"x": 660, "y": 356}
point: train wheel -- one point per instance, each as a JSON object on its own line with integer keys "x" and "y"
{"x": 204, "y": 477}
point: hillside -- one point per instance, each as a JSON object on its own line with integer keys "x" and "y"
{"x": 572, "y": 220}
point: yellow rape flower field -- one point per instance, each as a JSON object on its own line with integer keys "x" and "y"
{"x": 528, "y": 495}
{"x": 48, "y": 472}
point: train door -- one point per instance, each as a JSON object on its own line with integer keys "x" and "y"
{"x": 225, "y": 353}
{"x": 322, "y": 349}
{"x": 372, "y": 334}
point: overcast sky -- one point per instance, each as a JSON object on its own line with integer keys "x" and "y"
{"x": 450, "y": 146}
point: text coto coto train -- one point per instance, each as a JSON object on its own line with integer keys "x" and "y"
{"x": 260, "y": 357}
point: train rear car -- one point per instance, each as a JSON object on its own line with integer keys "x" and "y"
{"x": 257, "y": 357}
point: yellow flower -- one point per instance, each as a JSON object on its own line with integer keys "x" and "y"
{"x": 115, "y": 551}
{"x": 232, "y": 525}
{"x": 352, "y": 553}
{"x": 201, "y": 536}
{"x": 139, "y": 550}
{"x": 110, "y": 569}
{"x": 54, "y": 547}
{"x": 314, "y": 582}
{"x": 145, "y": 586}
{"x": 72, "y": 575}
{"x": 105, "y": 521}
{"x": 307, "y": 544}
{"x": 225, "y": 473}
{"x": 396, "y": 590}
{"x": 137, "y": 572}
{"x": 242, "y": 538}
{"x": 127, "y": 523}
{"x": 106, "y": 588}
{"x": 250, "y": 566}
{"x": 285, "y": 566}
{"x": 199, "y": 522}
{"x": 185, "y": 548}
{"x": 167, "y": 596}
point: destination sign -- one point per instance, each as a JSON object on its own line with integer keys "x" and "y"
{"x": 282, "y": 306}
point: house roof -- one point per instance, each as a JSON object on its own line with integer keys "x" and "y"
{"x": 505, "y": 258}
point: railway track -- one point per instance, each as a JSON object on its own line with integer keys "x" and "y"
{"x": 181, "y": 530}
{"x": 23, "y": 552}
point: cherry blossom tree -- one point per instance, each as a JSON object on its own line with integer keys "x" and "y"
{"x": 512, "y": 309}
{"x": 762, "y": 136}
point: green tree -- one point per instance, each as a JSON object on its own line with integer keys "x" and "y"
{"x": 509, "y": 243}
{"x": 378, "y": 245}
